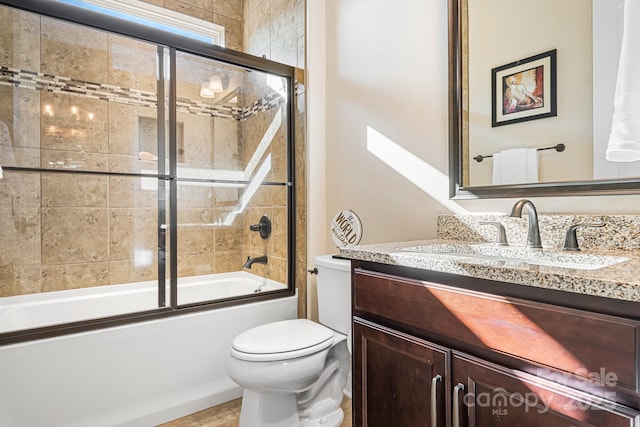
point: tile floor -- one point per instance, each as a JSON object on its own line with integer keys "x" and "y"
{"x": 228, "y": 415}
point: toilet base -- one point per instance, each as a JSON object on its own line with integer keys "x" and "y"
{"x": 333, "y": 419}
{"x": 280, "y": 410}
{"x": 268, "y": 410}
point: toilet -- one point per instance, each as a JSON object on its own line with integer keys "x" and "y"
{"x": 295, "y": 372}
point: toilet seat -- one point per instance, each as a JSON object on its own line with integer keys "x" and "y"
{"x": 282, "y": 340}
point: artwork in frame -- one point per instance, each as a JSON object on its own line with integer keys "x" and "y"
{"x": 524, "y": 90}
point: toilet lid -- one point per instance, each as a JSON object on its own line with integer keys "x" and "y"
{"x": 282, "y": 340}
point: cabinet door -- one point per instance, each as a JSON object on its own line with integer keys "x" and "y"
{"x": 399, "y": 380}
{"x": 487, "y": 395}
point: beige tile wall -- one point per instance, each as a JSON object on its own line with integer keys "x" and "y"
{"x": 21, "y": 234}
{"x": 228, "y": 13}
{"x": 275, "y": 29}
{"x": 65, "y": 231}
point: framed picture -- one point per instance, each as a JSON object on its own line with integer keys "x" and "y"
{"x": 524, "y": 90}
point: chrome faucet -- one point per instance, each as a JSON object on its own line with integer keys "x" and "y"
{"x": 258, "y": 260}
{"x": 533, "y": 234}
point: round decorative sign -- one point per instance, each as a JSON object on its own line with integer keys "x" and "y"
{"x": 346, "y": 229}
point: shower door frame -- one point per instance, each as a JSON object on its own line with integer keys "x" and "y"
{"x": 172, "y": 43}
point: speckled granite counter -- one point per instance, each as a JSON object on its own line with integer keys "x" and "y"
{"x": 620, "y": 280}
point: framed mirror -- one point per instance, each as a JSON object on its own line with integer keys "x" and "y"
{"x": 531, "y": 98}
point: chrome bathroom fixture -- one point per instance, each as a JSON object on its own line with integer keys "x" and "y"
{"x": 571, "y": 239}
{"x": 501, "y": 236}
{"x": 533, "y": 235}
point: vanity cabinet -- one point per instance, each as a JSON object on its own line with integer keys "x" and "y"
{"x": 430, "y": 353}
{"x": 398, "y": 378}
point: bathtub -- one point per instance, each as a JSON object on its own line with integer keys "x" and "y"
{"x": 140, "y": 374}
{"x": 50, "y": 308}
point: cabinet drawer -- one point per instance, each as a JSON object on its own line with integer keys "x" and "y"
{"x": 578, "y": 342}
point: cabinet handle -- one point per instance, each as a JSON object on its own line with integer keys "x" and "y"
{"x": 456, "y": 405}
{"x": 434, "y": 400}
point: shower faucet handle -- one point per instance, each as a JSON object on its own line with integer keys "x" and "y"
{"x": 501, "y": 236}
{"x": 264, "y": 227}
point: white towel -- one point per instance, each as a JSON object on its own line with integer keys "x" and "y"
{"x": 517, "y": 166}
{"x": 624, "y": 141}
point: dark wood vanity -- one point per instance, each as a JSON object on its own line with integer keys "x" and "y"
{"x": 438, "y": 349}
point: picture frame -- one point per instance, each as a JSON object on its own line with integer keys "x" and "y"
{"x": 524, "y": 90}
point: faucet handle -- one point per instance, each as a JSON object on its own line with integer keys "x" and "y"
{"x": 264, "y": 227}
{"x": 501, "y": 236}
{"x": 571, "y": 239}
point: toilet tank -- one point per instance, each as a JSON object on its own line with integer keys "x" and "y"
{"x": 334, "y": 292}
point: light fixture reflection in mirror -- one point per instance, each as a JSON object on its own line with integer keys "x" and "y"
{"x": 215, "y": 84}
{"x": 212, "y": 87}
{"x": 206, "y": 92}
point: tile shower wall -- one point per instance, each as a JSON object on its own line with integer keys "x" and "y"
{"x": 227, "y": 13}
{"x": 212, "y": 141}
{"x": 65, "y": 231}
{"x": 270, "y": 200}
{"x": 275, "y": 29}
{"x": 116, "y": 209}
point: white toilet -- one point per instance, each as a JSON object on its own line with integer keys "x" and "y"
{"x": 294, "y": 372}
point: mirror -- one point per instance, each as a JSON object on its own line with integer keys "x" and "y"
{"x": 534, "y": 80}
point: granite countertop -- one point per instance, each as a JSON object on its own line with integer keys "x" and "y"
{"x": 618, "y": 279}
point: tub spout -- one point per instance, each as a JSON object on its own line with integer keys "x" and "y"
{"x": 258, "y": 260}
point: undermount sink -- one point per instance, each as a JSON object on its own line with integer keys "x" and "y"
{"x": 516, "y": 254}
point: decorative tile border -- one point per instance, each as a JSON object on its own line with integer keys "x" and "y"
{"x": 191, "y": 106}
{"x": 59, "y": 84}
{"x": 104, "y": 92}
{"x": 263, "y": 104}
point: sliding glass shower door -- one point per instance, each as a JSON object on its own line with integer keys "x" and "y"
{"x": 78, "y": 209}
{"x": 133, "y": 171}
{"x": 231, "y": 169}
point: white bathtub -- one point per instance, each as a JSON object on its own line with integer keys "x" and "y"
{"x": 51, "y": 308}
{"x": 140, "y": 374}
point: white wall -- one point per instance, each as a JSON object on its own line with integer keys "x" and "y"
{"x": 386, "y": 67}
{"x": 379, "y": 80}
{"x": 548, "y": 25}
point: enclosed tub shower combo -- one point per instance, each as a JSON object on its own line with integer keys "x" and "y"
{"x": 137, "y": 163}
